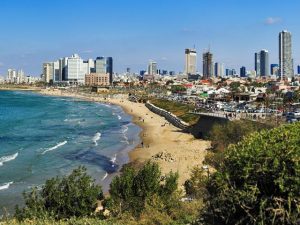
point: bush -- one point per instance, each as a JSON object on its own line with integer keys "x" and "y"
{"x": 259, "y": 181}
{"x": 75, "y": 195}
{"x": 222, "y": 135}
{"x": 130, "y": 191}
{"x": 195, "y": 187}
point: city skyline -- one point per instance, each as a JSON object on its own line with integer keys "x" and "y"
{"x": 33, "y": 35}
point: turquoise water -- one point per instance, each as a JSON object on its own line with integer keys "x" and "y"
{"x": 42, "y": 137}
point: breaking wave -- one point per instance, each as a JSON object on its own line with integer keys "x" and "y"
{"x": 55, "y": 147}
{"x": 6, "y": 185}
{"x": 8, "y": 158}
{"x": 96, "y": 138}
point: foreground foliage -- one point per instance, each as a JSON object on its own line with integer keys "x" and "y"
{"x": 222, "y": 135}
{"x": 75, "y": 195}
{"x": 132, "y": 191}
{"x": 259, "y": 181}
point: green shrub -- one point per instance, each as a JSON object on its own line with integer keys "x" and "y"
{"x": 130, "y": 191}
{"x": 259, "y": 181}
{"x": 75, "y": 195}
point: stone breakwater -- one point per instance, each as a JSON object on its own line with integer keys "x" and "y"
{"x": 170, "y": 117}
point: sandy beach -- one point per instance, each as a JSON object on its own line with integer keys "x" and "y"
{"x": 172, "y": 149}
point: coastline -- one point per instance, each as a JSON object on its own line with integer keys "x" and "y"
{"x": 172, "y": 149}
{"x": 19, "y": 89}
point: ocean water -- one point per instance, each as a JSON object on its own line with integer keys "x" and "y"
{"x": 42, "y": 137}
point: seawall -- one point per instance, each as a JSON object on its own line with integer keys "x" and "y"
{"x": 173, "y": 119}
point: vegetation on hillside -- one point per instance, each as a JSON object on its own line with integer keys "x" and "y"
{"x": 179, "y": 109}
{"x": 75, "y": 195}
{"x": 136, "y": 197}
{"x": 258, "y": 182}
{"x": 232, "y": 132}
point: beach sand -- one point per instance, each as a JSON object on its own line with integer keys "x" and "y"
{"x": 183, "y": 152}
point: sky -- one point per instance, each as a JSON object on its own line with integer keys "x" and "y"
{"x": 136, "y": 31}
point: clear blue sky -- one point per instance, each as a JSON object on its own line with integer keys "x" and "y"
{"x": 134, "y": 31}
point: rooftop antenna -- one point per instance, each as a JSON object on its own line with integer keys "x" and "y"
{"x": 209, "y": 48}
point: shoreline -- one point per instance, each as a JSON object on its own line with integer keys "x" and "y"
{"x": 19, "y": 89}
{"x": 161, "y": 142}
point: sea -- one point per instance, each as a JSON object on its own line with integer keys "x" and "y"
{"x": 44, "y": 136}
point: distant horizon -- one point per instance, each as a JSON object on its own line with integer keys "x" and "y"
{"x": 133, "y": 32}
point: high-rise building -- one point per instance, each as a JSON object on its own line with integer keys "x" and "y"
{"x": 208, "y": 70}
{"x": 48, "y": 72}
{"x": 105, "y": 65}
{"x": 76, "y": 70}
{"x": 11, "y": 75}
{"x": 243, "y": 72}
{"x": 152, "y": 68}
{"x": 298, "y": 69}
{"x": 257, "y": 63}
{"x": 228, "y": 72}
{"x": 142, "y": 72}
{"x": 63, "y": 62}
{"x": 285, "y": 55}
{"x": 274, "y": 69}
{"x": 219, "y": 69}
{"x": 56, "y": 70}
{"x": 262, "y": 63}
{"x": 190, "y": 61}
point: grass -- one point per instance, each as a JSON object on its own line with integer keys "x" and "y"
{"x": 179, "y": 109}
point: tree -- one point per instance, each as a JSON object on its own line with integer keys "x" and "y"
{"x": 75, "y": 195}
{"x": 234, "y": 86}
{"x": 130, "y": 191}
{"x": 196, "y": 186}
{"x": 259, "y": 181}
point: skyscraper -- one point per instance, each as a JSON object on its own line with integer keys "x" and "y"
{"x": 76, "y": 69}
{"x": 152, "y": 68}
{"x": 262, "y": 63}
{"x": 219, "y": 69}
{"x": 257, "y": 63}
{"x": 285, "y": 55}
{"x": 207, "y": 65}
{"x": 105, "y": 65}
{"x": 243, "y": 71}
{"x": 190, "y": 61}
{"x": 274, "y": 69}
{"x": 48, "y": 72}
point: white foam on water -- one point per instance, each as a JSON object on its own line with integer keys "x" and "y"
{"x": 96, "y": 138}
{"x": 125, "y": 129}
{"x": 55, "y": 147}
{"x": 119, "y": 117}
{"x": 124, "y": 135}
{"x": 106, "y": 174}
{"x": 8, "y": 158}
{"x": 113, "y": 160}
{"x": 5, "y": 186}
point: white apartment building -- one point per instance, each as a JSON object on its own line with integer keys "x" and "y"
{"x": 190, "y": 61}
